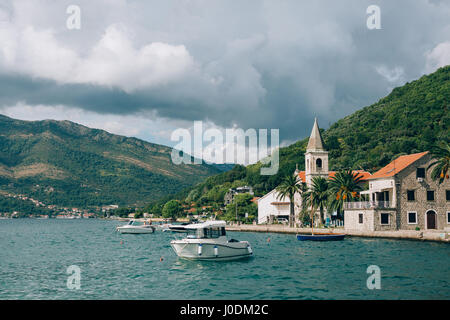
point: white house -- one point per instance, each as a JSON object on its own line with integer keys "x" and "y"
{"x": 271, "y": 207}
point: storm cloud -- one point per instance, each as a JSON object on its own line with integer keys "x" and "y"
{"x": 254, "y": 64}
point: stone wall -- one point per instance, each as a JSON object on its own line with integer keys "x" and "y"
{"x": 407, "y": 180}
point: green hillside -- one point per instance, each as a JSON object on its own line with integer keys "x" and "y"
{"x": 67, "y": 164}
{"x": 411, "y": 119}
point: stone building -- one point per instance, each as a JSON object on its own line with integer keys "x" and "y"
{"x": 402, "y": 196}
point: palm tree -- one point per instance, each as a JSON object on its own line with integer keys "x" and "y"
{"x": 344, "y": 187}
{"x": 317, "y": 196}
{"x": 441, "y": 154}
{"x": 288, "y": 187}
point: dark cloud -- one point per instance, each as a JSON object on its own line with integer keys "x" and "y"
{"x": 277, "y": 64}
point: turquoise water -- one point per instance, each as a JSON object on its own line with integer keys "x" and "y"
{"x": 34, "y": 256}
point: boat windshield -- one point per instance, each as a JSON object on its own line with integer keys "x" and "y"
{"x": 206, "y": 233}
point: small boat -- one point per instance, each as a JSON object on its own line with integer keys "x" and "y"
{"x": 321, "y": 237}
{"x": 208, "y": 241}
{"x": 136, "y": 227}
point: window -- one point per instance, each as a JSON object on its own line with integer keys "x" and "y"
{"x": 385, "y": 218}
{"x": 447, "y": 195}
{"x": 319, "y": 164}
{"x": 430, "y": 195}
{"x": 448, "y": 217}
{"x": 411, "y": 195}
{"x": 420, "y": 172}
{"x": 412, "y": 217}
{"x": 360, "y": 217}
{"x": 213, "y": 232}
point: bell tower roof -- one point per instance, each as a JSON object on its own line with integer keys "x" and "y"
{"x": 315, "y": 142}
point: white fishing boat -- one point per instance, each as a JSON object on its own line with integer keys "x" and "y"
{"x": 208, "y": 241}
{"x": 136, "y": 227}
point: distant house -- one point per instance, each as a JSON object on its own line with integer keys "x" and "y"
{"x": 271, "y": 207}
{"x": 229, "y": 196}
{"x": 402, "y": 196}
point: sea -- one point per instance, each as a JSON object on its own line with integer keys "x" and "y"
{"x": 88, "y": 259}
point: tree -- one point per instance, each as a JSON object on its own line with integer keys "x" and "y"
{"x": 288, "y": 187}
{"x": 343, "y": 187}
{"x": 172, "y": 209}
{"x": 244, "y": 205}
{"x": 441, "y": 154}
{"x": 317, "y": 196}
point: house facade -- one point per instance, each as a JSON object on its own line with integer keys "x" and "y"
{"x": 402, "y": 196}
{"x": 271, "y": 208}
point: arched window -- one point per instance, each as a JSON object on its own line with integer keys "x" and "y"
{"x": 319, "y": 164}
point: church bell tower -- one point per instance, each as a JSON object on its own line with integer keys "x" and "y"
{"x": 316, "y": 157}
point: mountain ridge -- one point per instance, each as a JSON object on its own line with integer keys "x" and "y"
{"x": 50, "y": 152}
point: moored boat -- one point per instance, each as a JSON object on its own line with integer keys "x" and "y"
{"x": 136, "y": 227}
{"x": 321, "y": 237}
{"x": 208, "y": 241}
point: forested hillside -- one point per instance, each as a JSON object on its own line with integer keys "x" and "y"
{"x": 67, "y": 164}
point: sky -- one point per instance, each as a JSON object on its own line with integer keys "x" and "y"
{"x": 147, "y": 68}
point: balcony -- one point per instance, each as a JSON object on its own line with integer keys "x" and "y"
{"x": 368, "y": 205}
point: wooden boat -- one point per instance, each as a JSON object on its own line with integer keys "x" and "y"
{"x": 321, "y": 237}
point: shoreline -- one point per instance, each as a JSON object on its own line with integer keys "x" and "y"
{"x": 438, "y": 235}
{"x": 426, "y": 235}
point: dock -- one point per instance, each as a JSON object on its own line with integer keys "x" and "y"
{"x": 425, "y": 235}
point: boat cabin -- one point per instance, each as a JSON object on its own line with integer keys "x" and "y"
{"x": 206, "y": 230}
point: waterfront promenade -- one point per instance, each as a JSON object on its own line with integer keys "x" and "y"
{"x": 429, "y": 235}
{"x": 432, "y": 235}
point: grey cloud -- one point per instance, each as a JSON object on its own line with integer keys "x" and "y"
{"x": 279, "y": 63}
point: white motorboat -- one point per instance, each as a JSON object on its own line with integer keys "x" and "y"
{"x": 136, "y": 227}
{"x": 208, "y": 241}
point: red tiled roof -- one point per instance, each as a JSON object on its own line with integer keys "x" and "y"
{"x": 365, "y": 175}
{"x": 255, "y": 199}
{"x": 397, "y": 165}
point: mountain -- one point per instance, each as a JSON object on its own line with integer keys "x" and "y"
{"x": 67, "y": 164}
{"x": 411, "y": 119}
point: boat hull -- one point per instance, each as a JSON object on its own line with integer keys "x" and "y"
{"x": 320, "y": 237}
{"x": 212, "y": 251}
{"x": 135, "y": 230}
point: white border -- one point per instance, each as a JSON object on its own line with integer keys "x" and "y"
{"x": 407, "y": 217}
{"x": 389, "y": 219}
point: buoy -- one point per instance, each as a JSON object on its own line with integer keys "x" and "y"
{"x": 200, "y": 249}
{"x": 121, "y": 241}
{"x": 268, "y": 239}
{"x": 161, "y": 259}
{"x": 216, "y": 251}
